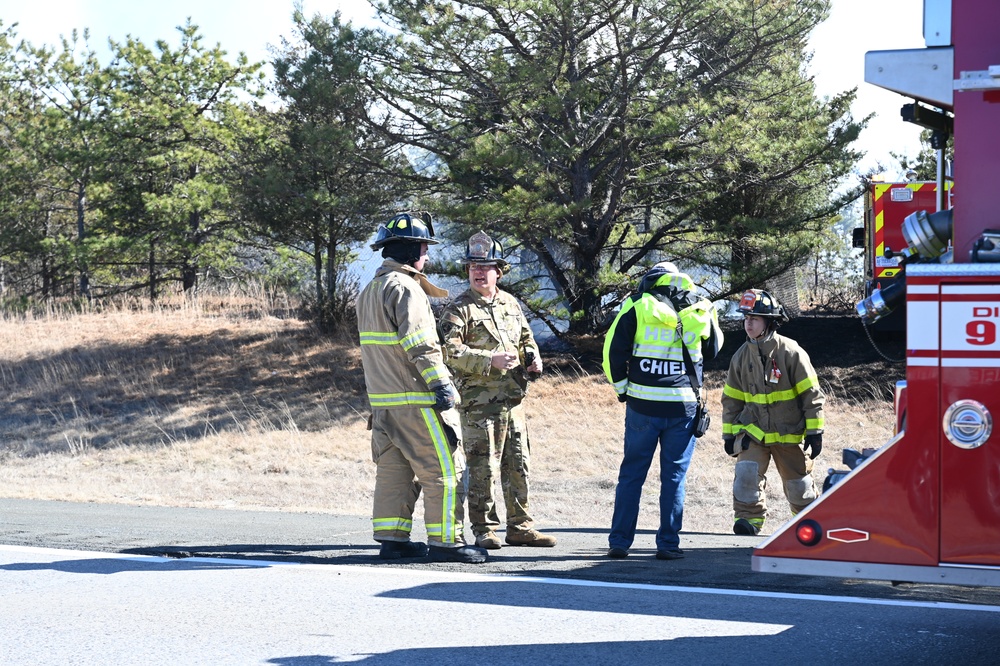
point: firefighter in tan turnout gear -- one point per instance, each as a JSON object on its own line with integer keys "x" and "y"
{"x": 415, "y": 429}
{"x": 490, "y": 348}
{"x": 772, "y": 408}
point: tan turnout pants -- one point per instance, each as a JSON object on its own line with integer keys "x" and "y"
{"x": 418, "y": 449}
{"x": 795, "y": 469}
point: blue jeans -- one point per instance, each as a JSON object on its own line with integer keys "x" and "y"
{"x": 642, "y": 434}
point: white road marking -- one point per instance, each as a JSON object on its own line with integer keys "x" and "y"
{"x": 488, "y": 577}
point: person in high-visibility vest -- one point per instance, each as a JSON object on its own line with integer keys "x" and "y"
{"x": 772, "y": 408}
{"x": 645, "y": 362}
{"x": 416, "y": 442}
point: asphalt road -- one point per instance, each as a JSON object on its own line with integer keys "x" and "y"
{"x": 93, "y": 609}
{"x": 718, "y": 561}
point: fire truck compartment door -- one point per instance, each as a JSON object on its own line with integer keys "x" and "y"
{"x": 970, "y": 399}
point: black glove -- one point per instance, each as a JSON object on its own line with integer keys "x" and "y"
{"x": 622, "y": 397}
{"x": 814, "y": 442}
{"x": 730, "y": 445}
{"x": 445, "y": 396}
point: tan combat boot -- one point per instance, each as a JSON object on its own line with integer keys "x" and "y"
{"x": 529, "y": 538}
{"x": 489, "y": 540}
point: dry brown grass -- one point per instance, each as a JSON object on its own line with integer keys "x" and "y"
{"x": 210, "y": 406}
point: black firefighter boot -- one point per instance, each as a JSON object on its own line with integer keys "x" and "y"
{"x": 399, "y": 550}
{"x": 463, "y": 554}
{"x": 745, "y": 527}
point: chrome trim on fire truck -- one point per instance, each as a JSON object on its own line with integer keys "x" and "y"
{"x": 967, "y": 424}
{"x": 931, "y": 270}
{"x": 979, "y": 79}
{"x": 942, "y": 574}
{"x": 985, "y": 289}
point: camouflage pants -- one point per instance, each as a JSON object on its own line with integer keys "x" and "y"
{"x": 496, "y": 448}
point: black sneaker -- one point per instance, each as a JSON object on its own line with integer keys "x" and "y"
{"x": 745, "y": 527}
{"x": 617, "y": 553}
{"x": 399, "y": 550}
{"x": 463, "y": 554}
{"x": 672, "y": 554}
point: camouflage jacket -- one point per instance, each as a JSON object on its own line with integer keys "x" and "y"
{"x": 472, "y": 329}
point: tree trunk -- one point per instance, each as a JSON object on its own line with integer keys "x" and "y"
{"x": 743, "y": 258}
{"x": 189, "y": 276}
{"x": 587, "y": 312}
{"x": 152, "y": 271}
{"x": 46, "y": 263}
{"x": 317, "y": 256}
{"x": 81, "y": 234}
{"x": 46, "y": 277}
{"x": 189, "y": 271}
{"x": 331, "y": 268}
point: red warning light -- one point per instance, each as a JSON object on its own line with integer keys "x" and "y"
{"x": 808, "y": 532}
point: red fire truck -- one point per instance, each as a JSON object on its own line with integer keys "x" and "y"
{"x": 886, "y": 205}
{"x": 925, "y": 507}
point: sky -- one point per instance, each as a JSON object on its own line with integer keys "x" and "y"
{"x": 839, "y": 44}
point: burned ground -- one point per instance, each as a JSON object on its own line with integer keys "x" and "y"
{"x": 847, "y": 361}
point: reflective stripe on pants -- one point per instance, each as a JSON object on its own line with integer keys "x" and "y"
{"x": 417, "y": 449}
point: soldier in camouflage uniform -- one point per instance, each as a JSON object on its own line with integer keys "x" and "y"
{"x": 491, "y": 351}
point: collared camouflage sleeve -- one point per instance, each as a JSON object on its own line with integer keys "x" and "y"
{"x": 453, "y": 329}
{"x": 471, "y": 331}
